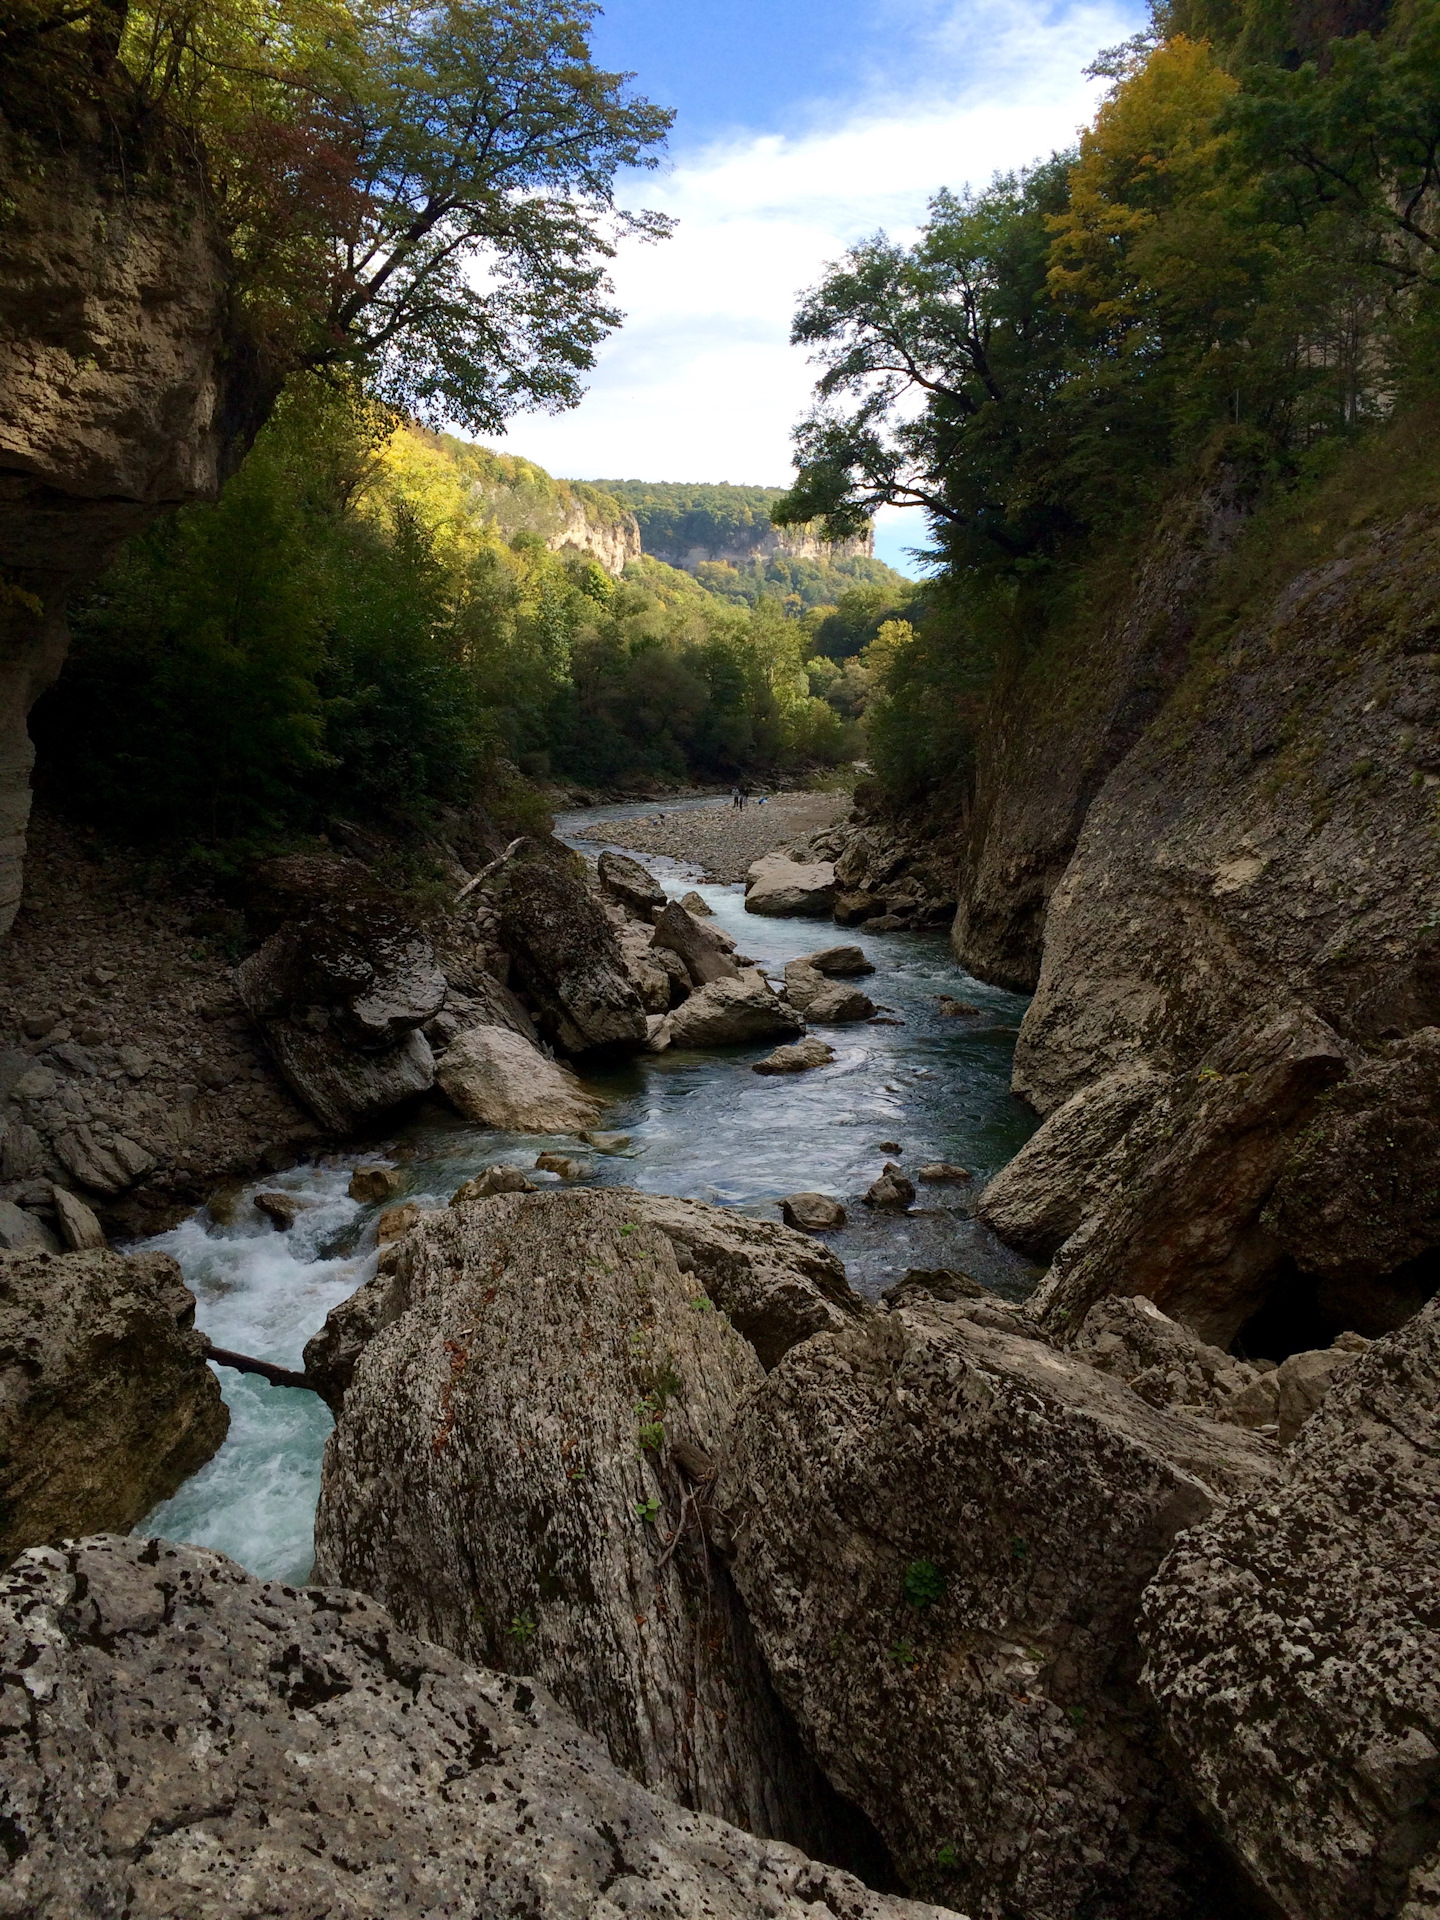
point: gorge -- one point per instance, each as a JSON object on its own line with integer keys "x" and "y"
{"x": 602, "y": 1309}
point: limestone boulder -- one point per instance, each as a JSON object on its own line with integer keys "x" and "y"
{"x": 631, "y": 884}
{"x": 521, "y": 1470}
{"x": 107, "y": 1163}
{"x": 1070, "y": 1166}
{"x": 732, "y": 1013}
{"x": 1292, "y": 1652}
{"x": 803, "y": 983}
{"x": 838, "y": 963}
{"x": 1357, "y": 1204}
{"x": 776, "y": 1287}
{"x": 649, "y": 975}
{"x": 340, "y": 999}
{"x": 106, "y": 1403}
{"x": 1187, "y": 1227}
{"x": 79, "y": 1228}
{"x": 22, "y": 1232}
{"x": 565, "y": 951}
{"x": 839, "y": 1005}
{"x": 496, "y": 1079}
{"x": 784, "y": 888}
{"x": 704, "y": 950}
{"x": 893, "y": 1192}
{"x": 812, "y": 1212}
{"x": 180, "y": 1739}
{"x": 942, "y": 1531}
{"x": 799, "y": 1058}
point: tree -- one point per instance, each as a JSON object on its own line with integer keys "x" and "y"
{"x": 424, "y": 192}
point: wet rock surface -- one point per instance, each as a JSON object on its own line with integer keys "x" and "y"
{"x": 942, "y": 1532}
{"x": 521, "y": 1472}
{"x": 106, "y": 1403}
{"x": 184, "y": 1739}
{"x": 1291, "y": 1652}
{"x": 805, "y": 1054}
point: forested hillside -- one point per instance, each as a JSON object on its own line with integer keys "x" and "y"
{"x": 375, "y": 619}
{"x": 1192, "y": 322}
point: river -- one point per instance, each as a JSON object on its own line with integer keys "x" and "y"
{"x": 700, "y": 1125}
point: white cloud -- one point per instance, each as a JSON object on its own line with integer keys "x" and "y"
{"x": 701, "y": 383}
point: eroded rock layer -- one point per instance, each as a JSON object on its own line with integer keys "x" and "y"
{"x": 179, "y": 1739}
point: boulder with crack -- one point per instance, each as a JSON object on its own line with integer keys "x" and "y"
{"x": 496, "y": 1079}
{"x": 730, "y": 1013}
{"x": 340, "y": 998}
{"x": 785, "y": 888}
{"x": 521, "y": 1469}
{"x": 565, "y": 950}
{"x": 179, "y": 1738}
{"x": 1187, "y": 1227}
{"x": 1292, "y": 1652}
{"x": 1070, "y": 1166}
{"x": 106, "y": 1403}
{"x": 705, "y": 950}
{"x": 942, "y": 1531}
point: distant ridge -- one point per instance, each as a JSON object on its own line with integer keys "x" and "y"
{"x": 690, "y": 525}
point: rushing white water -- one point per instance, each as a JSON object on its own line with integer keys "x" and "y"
{"x": 701, "y": 1125}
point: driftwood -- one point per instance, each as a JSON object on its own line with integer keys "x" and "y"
{"x": 484, "y": 874}
{"x": 267, "y": 1370}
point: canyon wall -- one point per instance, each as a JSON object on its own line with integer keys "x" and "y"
{"x": 793, "y": 543}
{"x": 126, "y": 390}
{"x": 612, "y": 543}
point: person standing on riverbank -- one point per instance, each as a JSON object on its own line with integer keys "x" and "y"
{"x": 735, "y": 797}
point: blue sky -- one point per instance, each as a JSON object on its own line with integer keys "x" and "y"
{"x": 801, "y": 128}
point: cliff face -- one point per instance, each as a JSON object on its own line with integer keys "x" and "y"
{"x": 1235, "y": 1034}
{"x": 612, "y": 543}
{"x": 1271, "y": 835}
{"x": 125, "y": 391}
{"x": 764, "y": 544}
{"x": 1060, "y": 724}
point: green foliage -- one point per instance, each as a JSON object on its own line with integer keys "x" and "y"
{"x": 1235, "y": 273}
{"x": 924, "y": 1584}
{"x": 370, "y": 623}
{"x": 424, "y": 192}
{"x": 674, "y": 516}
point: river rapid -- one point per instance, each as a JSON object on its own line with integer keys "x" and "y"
{"x": 701, "y": 1125}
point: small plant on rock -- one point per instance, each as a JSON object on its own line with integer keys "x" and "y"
{"x": 648, "y": 1509}
{"x": 522, "y": 1629}
{"x": 924, "y": 1584}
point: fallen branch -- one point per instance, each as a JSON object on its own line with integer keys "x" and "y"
{"x": 246, "y": 1363}
{"x": 485, "y": 872}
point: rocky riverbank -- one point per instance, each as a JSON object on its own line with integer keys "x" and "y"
{"x": 723, "y": 840}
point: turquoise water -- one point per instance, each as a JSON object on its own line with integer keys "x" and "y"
{"x": 700, "y": 1124}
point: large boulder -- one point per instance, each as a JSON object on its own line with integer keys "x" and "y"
{"x": 942, "y": 1531}
{"x": 631, "y": 884}
{"x": 705, "y": 950}
{"x": 730, "y": 1013}
{"x": 649, "y": 975}
{"x": 1187, "y": 1226}
{"x": 780, "y": 887}
{"x": 340, "y": 998}
{"x": 496, "y": 1079}
{"x": 179, "y": 1739}
{"x": 106, "y": 1403}
{"x": 1292, "y": 1652}
{"x": 1357, "y": 1205}
{"x": 1070, "y": 1166}
{"x": 521, "y": 1472}
{"x": 776, "y": 1287}
{"x": 565, "y": 951}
